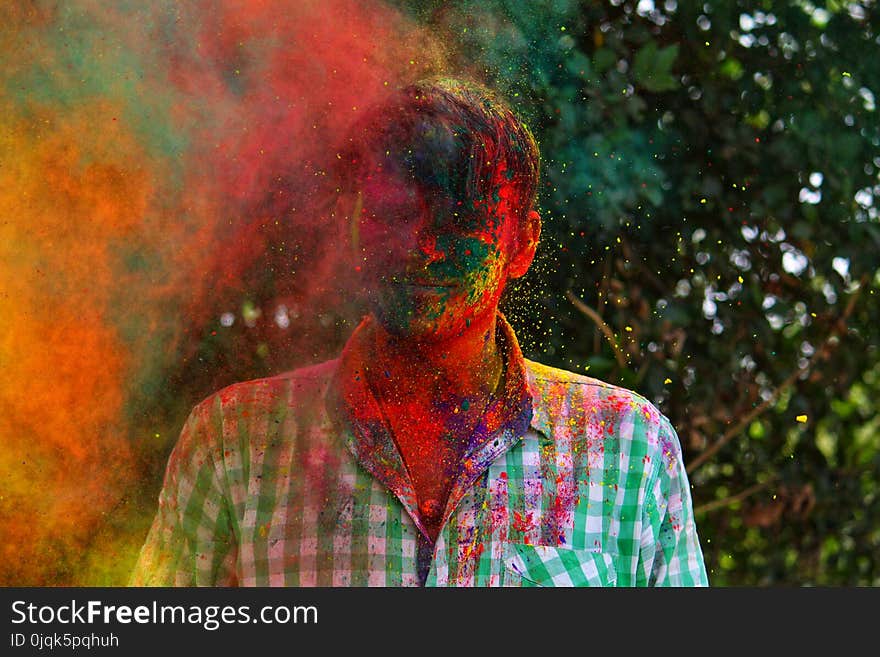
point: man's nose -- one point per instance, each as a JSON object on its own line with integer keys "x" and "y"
{"x": 427, "y": 247}
{"x": 417, "y": 240}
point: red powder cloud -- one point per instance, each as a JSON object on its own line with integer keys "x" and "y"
{"x": 154, "y": 163}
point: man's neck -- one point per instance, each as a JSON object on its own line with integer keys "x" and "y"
{"x": 465, "y": 366}
{"x": 433, "y": 394}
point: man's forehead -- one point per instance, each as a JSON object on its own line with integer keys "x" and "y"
{"x": 387, "y": 186}
{"x": 428, "y": 154}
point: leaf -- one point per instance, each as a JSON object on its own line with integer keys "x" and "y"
{"x": 578, "y": 64}
{"x": 603, "y": 59}
{"x": 652, "y": 67}
{"x": 732, "y": 68}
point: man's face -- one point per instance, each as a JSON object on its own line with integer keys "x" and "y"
{"x": 431, "y": 264}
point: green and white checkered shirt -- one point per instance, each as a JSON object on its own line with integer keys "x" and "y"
{"x": 267, "y": 486}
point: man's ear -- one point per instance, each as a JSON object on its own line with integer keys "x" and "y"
{"x": 528, "y": 233}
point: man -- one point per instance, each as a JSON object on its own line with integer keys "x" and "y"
{"x": 430, "y": 452}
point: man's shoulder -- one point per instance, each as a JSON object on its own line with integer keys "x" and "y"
{"x": 300, "y": 384}
{"x": 547, "y": 377}
{"x": 562, "y": 398}
{"x": 542, "y": 373}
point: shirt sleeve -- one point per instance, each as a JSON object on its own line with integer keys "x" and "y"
{"x": 670, "y": 551}
{"x": 191, "y": 542}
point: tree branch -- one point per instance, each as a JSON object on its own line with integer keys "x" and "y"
{"x": 606, "y": 330}
{"x": 727, "y": 501}
{"x": 746, "y": 419}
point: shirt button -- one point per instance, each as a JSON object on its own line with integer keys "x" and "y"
{"x": 430, "y": 509}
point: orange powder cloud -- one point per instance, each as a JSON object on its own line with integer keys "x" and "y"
{"x": 68, "y": 193}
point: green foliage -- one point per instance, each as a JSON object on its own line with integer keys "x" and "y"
{"x": 652, "y": 67}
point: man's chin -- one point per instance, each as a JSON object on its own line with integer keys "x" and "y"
{"x": 414, "y": 327}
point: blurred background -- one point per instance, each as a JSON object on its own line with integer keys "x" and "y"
{"x": 711, "y": 177}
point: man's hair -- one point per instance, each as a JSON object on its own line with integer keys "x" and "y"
{"x": 454, "y": 136}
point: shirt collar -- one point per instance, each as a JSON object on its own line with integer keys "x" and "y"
{"x": 504, "y": 423}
